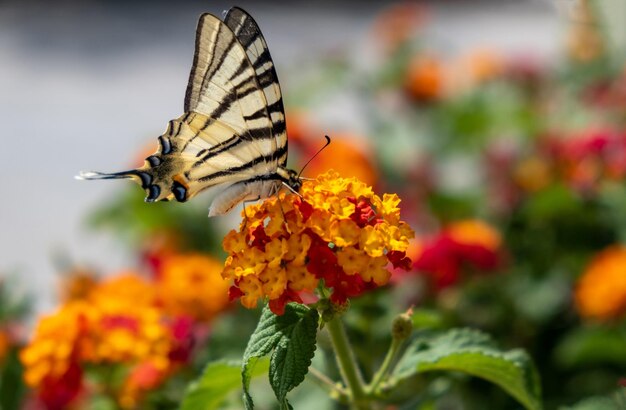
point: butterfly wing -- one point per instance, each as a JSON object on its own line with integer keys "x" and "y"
{"x": 249, "y": 35}
{"x": 226, "y": 134}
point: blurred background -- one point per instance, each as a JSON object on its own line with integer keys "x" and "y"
{"x": 89, "y": 85}
{"x": 500, "y": 124}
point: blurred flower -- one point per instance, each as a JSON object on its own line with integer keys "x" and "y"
{"x": 192, "y": 285}
{"x": 398, "y": 23}
{"x": 426, "y": 78}
{"x": 160, "y": 245}
{"x": 349, "y": 155}
{"x": 123, "y": 332}
{"x": 5, "y": 344}
{"x": 77, "y": 285}
{"x": 601, "y": 290}
{"x": 125, "y": 289}
{"x": 533, "y": 174}
{"x": 51, "y": 359}
{"x": 585, "y": 41}
{"x": 586, "y": 159}
{"x": 144, "y": 377}
{"x": 476, "y": 67}
{"x": 338, "y": 230}
{"x": 470, "y": 243}
{"x": 124, "y": 320}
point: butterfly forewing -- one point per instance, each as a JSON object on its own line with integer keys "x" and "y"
{"x": 250, "y": 37}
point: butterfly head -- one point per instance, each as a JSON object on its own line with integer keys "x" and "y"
{"x": 293, "y": 180}
{"x": 290, "y": 178}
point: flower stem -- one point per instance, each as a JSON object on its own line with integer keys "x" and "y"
{"x": 384, "y": 369}
{"x": 347, "y": 364}
{"x": 335, "y": 390}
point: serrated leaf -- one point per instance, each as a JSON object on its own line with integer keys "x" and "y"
{"x": 473, "y": 352}
{"x": 292, "y": 338}
{"x": 292, "y": 356}
{"x": 218, "y": 380}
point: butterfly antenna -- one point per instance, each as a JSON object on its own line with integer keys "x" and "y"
{"x": 316, "y": 154}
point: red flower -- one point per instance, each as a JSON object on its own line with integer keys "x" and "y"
{"x": 464, "y": 244}
{"x": 56, "y": 394}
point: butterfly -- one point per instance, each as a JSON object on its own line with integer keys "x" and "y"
{"x": 232, "y": 137}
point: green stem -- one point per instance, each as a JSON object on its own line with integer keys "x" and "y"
{"x": 385, "y": 368}
{"x": 347, "y": 364}
{"x": 335, "y": 390}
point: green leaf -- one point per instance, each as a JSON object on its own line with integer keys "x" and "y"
{"x": 292, "y": 338}
{"x": 218, "y": 380}
{"x": 595, "y": 403}
{"x": 591, "y": 345}
{"x": 473, "y": 352}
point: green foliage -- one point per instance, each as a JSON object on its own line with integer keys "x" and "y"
{"x": 473, "y": 352}
{"x": 596, "y": 403}
{"x": 133, "y": 219}
{"x": 592, "y": 345}
{"x": 12, "y": 387}
{"x": 217, "y": 381}
{"x": 291, "y": 337}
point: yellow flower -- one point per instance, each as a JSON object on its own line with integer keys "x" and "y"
{"x": 372, "y": 241}
{"x": 344, "y": 232}
{"x": 337, "y": 230}
{"x": 353, "y": 260}
{"x": 601, "y": 291}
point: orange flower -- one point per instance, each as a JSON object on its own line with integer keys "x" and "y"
{"x": 192, "y": 285}
{"x": 479, "y": 65}
{"x": 601, "y": 291}
{"x": 77, "y": 285}
{"x": 337, "y": 230}
{"x": 585, "y": 41}
{"x": 349, "y": 155}
{"x": 54, "y": 347}
{"x": 125, "y": 289}
{"x": 121, "y": 321}
{"x": 5, "y": 345}
{"x": 426, "y": 78}
{"x": 533, "y": 174}
{"x": 474, "y": 232}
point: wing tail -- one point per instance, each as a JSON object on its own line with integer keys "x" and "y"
{"x": 91, "y": 175}
{"x": 142, "y": 177}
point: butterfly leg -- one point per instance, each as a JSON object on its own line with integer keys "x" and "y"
{"x": 292, "y": 190}
{"x": 245, "y": 211}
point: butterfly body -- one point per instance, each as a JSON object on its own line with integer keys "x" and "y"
{"x": 232, "y": 136}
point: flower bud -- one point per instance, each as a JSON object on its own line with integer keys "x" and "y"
{"x": 402, "y": 326}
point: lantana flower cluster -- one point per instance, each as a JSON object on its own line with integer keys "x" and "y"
{"x": 463, "y": 244}
{"x": 336, "y": 232}
{"x": 601, "y": 290}
{"x": 146, "y": 326}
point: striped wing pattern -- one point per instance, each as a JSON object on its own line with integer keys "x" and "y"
{"x": 251, "y": 38}
{"x": 233, "y": 128}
